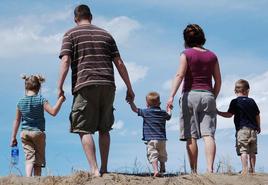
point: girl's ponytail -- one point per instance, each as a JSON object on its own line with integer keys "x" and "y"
{"x": 40, "y": 78}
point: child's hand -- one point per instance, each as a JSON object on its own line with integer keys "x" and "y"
{"x": 170, "y": 103}
{"x": 62, "y": 98}
{"x": 13, "y": 142}
{"x": 258, "y": 130}
{"x": 169, "y": 108}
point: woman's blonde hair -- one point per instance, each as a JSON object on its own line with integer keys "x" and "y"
{"x": 33, "y": 82}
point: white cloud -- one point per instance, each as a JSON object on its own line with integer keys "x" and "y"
{"x": 22, "y": 40}
{"x": 120, "y": 27}
{"x": 214, "y": 6}
{"x": 45, "y": 91}
{"x": 57, "y": 16}
{"x": 134, "y": 133}
{"x": 173, "y": 124}
{"x": 136, "y": 73}
{"x": 167, "y": 85}
{"x": 119, "y": 125}
{"x": 31, "y": 35}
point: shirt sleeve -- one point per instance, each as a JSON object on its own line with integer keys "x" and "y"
{"x": 114, "y": 49}
{"x": 19, "y": 104}
{"x": 168, "y": 116}
{"x": 256, "y": 108}
{"x": 140, "y": 112}
{"x": 66, "y": 47}
{"x": 43, "y": 100}
{"x": 232, "y": 107}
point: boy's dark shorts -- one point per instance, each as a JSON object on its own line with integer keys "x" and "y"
{"x": 92, "y": 109}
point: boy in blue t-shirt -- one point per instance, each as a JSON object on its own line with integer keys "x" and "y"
{"x": 247, "y": 124}
{"x": 154, "y": 130}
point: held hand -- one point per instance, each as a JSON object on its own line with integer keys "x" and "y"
{"x": 169, "y": 109}
{"x": 259, "y": 130}
{"x": 170, "y": 103}
{"x": 62, "y": 98}
{"x": 130, "y": 96}
{"x": 60, "y": 93}
{"x": 13, "y": 142}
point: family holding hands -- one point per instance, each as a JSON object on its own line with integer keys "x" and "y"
{"x": 92, "y": 53}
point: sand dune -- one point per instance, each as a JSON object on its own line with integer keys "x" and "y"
{"x": 83, "y": 178}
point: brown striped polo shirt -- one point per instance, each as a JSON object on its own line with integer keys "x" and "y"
{"x": 92, "y": 51}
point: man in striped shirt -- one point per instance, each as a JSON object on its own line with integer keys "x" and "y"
{"x": 91, "y": 52}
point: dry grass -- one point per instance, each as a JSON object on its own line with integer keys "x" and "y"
{"x": 84, "y": 178}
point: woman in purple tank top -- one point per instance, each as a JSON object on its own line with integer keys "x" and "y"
{"x": 198, "y": 66}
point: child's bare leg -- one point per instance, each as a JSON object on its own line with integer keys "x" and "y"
{"x": 244, "y": 160}
{"x": 155, "y": 167}
{"x": 29, "y": 169}
{"x": 162, "y": 167}
{"x": 37, "y": 170}
{"x": 252, "y": 162}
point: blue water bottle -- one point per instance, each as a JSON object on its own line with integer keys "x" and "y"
{"x": 14, "y": 155}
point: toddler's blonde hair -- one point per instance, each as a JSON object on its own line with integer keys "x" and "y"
{"x": 241, "y": 86}
{"x": 153, "y": 99}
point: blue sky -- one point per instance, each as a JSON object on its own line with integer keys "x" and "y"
{"x": 149, "y": 36}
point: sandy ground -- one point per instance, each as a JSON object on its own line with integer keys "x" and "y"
{"x": 82, "y": 178}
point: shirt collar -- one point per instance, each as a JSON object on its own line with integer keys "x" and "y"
{"x": 154, "y": 107}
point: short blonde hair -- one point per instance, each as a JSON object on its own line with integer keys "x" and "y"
{"x": 241, "y": 86}
{"x": 153, "y": 99}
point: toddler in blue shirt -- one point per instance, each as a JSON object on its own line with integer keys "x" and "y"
{"x": 154, "y": 130}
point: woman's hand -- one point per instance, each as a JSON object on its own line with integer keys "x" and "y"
{"x": 170, "y": 103}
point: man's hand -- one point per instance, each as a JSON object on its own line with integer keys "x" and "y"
{"x": 60, "y": 92}
{"x": 130, "y": 96}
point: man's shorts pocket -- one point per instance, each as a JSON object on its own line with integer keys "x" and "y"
{"x": 79, "y": 106}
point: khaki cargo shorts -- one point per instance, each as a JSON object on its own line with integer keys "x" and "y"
{"x": 92, "y": 109}
{"x": 34, "y": 144}
{"x": 198, "y": 116}
{"x": 156, "y": 150}
{"x": 246, "y": 141}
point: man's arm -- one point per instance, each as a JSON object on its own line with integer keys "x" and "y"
{"x": 64, "y": 68}
{"x": 124, "y": 75}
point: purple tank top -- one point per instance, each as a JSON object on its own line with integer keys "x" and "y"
{"x": 200, "y": 67}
